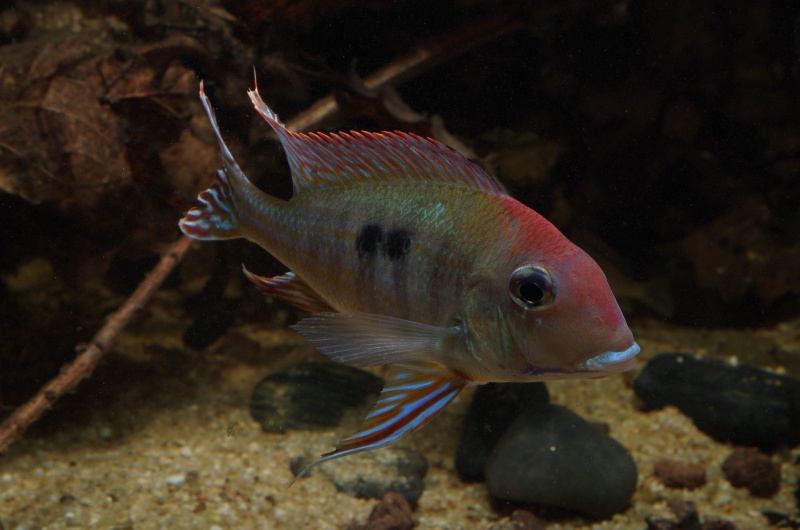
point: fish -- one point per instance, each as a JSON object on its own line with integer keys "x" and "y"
{"x": 410, "y": 255}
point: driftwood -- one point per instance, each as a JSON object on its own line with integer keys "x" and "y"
{"x": 426, "y": 56}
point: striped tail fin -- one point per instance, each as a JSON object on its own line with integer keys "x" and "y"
{"x": 218, "y": 215}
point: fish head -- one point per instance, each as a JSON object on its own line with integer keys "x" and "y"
{"x": 548, "y": 317}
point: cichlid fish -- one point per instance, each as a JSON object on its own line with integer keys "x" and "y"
{"x": 411, "y": 255}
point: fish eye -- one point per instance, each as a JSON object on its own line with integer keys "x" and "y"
{"x": 531, "y": 287}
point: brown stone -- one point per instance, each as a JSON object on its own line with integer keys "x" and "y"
{"x": 748, "y": 468}
{"x": 392, "y": 513}
{"x": 674, "y": 474}
{"x": 525, "y": 520}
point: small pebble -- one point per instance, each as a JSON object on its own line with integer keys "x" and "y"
{"x": 685, "y": 511}
{"x": 748, "y": 468}
{"x": 519, "y": 520}
{"x": 176, "y": 480}
{"x": 392, "y": 513}
{"x": 686, "y": 518}
{"x": 550, "y": 455}
{"x": 738, "y": 404}
{"x": 675, "y": 474}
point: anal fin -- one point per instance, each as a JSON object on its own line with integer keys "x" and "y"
{"x": 291, "y": 289}
{"x": 413, "y": 395}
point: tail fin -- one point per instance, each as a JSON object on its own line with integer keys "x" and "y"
{"x": 218, "y": 216}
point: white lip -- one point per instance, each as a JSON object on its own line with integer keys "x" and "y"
{"x": 614, "y": 361}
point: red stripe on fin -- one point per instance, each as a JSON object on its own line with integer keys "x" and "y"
{"x": 291, "y": 289}
{"x": 344, "y": 159}
{"x": 414, "y": 394}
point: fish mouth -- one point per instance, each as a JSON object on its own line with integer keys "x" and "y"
{"x": 613, "y": 361}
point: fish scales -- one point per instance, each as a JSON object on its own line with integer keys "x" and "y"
{"x": 433, "y": 269}
{"x": 411, "y": 256}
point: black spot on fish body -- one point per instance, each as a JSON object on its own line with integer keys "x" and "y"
{"x": 369, "y": 240}
{"x": 398, "y": 243}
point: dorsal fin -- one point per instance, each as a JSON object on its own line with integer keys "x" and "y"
{"x": 345, "y": 159}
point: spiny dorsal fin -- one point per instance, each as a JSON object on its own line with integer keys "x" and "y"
{"x": 345, "y": 159}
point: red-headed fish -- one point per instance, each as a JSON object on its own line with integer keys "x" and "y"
{"x": 411, "y": 255}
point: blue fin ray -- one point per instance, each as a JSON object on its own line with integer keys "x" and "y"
{"x": 414, "y": 394}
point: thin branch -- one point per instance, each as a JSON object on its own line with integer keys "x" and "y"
{"x": 85, "y": 363}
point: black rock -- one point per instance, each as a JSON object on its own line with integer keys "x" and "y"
{"x": 494, "y": 406}
{"x": 738, "y": 404}
{"x": 212, "y": 320}
{"x": 372, "y": 474}
{"x": 310, "y": 395}
{"x": 550, "y": 455}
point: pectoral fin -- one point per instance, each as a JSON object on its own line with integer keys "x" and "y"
{"x": 291, "y": 289}
{"x": 414, "y": 394}
{"x": 363, "y": 339}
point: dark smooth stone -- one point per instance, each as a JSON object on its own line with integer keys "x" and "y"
{"x": 373, "y": 474}
{"x": 550, "y": 455}
{"x": 310, "y": 395}
{"x": 212, "y": 321}
{"x": 494, "y": 406}
{"x": 738, "y": 404}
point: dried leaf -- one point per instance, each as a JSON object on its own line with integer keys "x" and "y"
{"x": 71, "y": 111}
{"x": 56, "y": 138}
